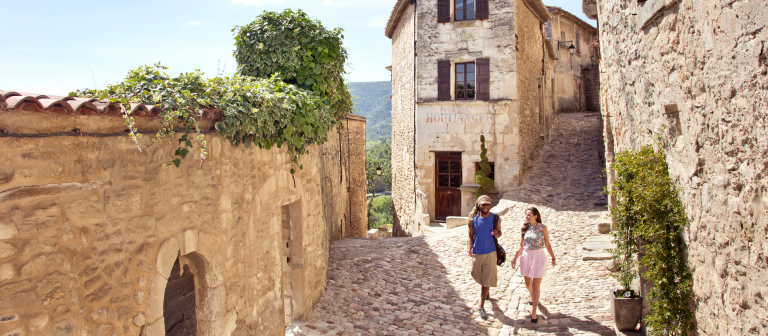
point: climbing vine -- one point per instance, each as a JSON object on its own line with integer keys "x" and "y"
{"x": 481, "y": 176}
{"x": 300, "y": 50}
{"x": 650, "y": 220}
{"x": 264, "y": 112}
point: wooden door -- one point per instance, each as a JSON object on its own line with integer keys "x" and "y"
{"x": 179, "y": 303}
{"x": 447, "y": 183}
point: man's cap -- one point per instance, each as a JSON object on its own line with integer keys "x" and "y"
{"x": 483, "y": 200}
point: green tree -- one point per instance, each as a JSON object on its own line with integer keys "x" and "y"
{"x": 381, "y": 211}
{"x": 481, "y": 176}
{"x": 298, "y": 49}
{"x": 379, "y": 150}
{"x": 377, "y": 182}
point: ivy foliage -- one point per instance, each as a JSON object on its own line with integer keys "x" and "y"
{"x": 263, "y": 112}
{"x": 300, "y": 50}
{"x": 481, "y": 176}
{"x": 650, "y": 220}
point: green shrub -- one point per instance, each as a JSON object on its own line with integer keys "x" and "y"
{"x": 300, "y": 50}
{"x": 650, "y": 218}
{"x": 381, "y": 211}
{"x": 481, "y": 176}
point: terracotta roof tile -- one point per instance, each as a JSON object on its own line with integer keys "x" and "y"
{"x": 16, "y": 101}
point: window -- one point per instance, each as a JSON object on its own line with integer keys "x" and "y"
{"x": 578, "y": 45}
{"x": 491, "y": 174}
{"x": 465, "y": 81}
{"x": 464, "y": 10}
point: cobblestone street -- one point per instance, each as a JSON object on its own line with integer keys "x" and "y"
{"x": 423, "y": 286}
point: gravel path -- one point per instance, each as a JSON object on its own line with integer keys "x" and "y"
{"x": 422, "y": 285}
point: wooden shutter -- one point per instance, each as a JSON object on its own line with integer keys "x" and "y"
{"x": 443, "y": 80}
{"x": 481, "y": 11}
{"x": 483, "y": 69}
{"x": 443, "y": 11}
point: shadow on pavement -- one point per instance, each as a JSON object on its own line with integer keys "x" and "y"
{"x": 390, "y": 286}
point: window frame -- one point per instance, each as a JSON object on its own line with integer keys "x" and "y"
{"x": 492, "y": 175}
{"x": 464, "y": 10}
{"x": 456, "y": 81}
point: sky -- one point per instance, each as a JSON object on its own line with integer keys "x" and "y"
{"x": 55, "y": 47}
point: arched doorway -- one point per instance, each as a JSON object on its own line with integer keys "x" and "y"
{"x": 179, "y": 304}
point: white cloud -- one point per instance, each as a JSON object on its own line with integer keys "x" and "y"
{"x": 256, "y": 3}
{"x": 193, "y": 23}
{"x": 333, "y": 3}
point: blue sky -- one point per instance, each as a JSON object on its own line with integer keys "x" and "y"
{"x": 54, "y": 47}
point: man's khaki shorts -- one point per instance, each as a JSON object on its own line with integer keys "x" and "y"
{"x": 484, "y": 269}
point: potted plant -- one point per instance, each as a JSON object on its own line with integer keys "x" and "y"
{"x": 626, "y": 304}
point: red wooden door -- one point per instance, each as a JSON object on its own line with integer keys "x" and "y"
{"x": 448, "y": 181}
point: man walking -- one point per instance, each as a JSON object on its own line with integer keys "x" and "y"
{"x": 483, "y": 226}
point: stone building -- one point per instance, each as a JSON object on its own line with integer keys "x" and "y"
{"x": 695, "y": 73}
{"x": 96, "y": 238}
{"x": 462, "y": 69}
{"x": 576, "y": 80}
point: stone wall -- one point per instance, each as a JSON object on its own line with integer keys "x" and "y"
{"x": 591, "y": 78}
{"x": 465, "y": 41}
{"x": 406, "y": 210}
{"x": 532, "y": 108}
{"x": 699, "y": 68}
{"x": 90, "y": 229}
{"x": 568, "y": 69}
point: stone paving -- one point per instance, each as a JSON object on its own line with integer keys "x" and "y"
{"x": 422, "y": 285}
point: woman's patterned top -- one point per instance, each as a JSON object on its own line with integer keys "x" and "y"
{"x": 534, "y": 237}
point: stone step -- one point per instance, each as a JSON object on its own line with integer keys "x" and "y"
{"x": 603, "y": 225}
{"x": 598, "y": 246}
{"x": 452, "y": 222}
{"x": 600, "y": 238}
{"x": 597, "y": 255}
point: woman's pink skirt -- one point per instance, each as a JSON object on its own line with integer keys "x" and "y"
{"x": 533, "y": 263}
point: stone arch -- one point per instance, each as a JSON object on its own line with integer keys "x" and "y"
{"x": 197, "y": 251}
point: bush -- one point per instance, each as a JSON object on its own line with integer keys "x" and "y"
{"x": 381, "y": 211}
{"x": 300, "y": 50}
{"x": 650, "y": 218}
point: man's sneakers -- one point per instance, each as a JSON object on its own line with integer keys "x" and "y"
{"x": 483, "y": 314}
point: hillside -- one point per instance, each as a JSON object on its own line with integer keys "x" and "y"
{"x": 372, "y": 101}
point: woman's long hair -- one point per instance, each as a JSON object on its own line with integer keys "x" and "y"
{"x": 527, "y": 225}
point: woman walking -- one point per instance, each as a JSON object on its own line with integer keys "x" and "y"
{"x": 483, "y": 226}
{"x": 533, "y": 262}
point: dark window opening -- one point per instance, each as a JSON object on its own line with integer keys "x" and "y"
{"x": 465, "y": 81}
{"x": 464, "y": 10}
{"x": 493, "y": 170}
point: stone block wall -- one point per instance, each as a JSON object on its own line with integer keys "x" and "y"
{"x": 699, "y": 68}
{"x": 466, "y": 41}
{"x": 90, "y": 229}
{"x": 530, "y": 83}
{"x": 591, "y": 78}
{"x": 406, "y": 220}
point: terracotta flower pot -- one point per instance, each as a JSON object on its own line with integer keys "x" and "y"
{"x": 626, "y": 312}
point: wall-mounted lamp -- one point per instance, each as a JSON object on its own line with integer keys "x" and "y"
{"x": 378, "y": 171}
{"x": 564, "y": 44}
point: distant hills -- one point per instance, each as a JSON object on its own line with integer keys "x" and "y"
{"x": 372, "y": 101}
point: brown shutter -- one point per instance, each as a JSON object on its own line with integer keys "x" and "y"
{"x": 481, "y": 12}
{"x": 443, "y": 80}
{"x": 443, "y": 11}
{"x": 483, "y": 68}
